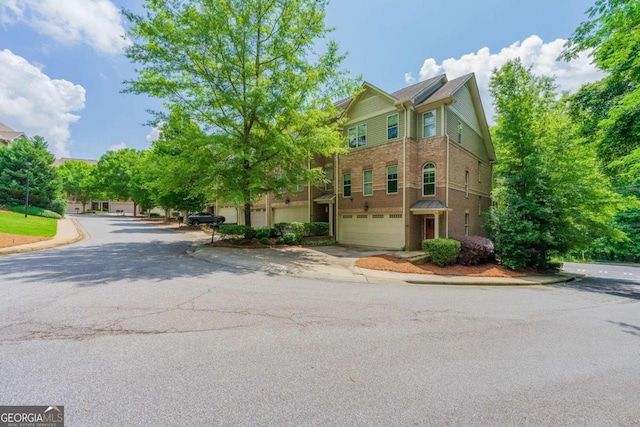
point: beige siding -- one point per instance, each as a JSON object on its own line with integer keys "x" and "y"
{"x": 368, "y": 104}
{"x": 377, "y": 129}
{"x": 471, "y": 140}
{"x": 464, "y": 107}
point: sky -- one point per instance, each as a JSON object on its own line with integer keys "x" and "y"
{"x": 62, "y": 65}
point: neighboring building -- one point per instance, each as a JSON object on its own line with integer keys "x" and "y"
{"x": 419, "y": 166}
{"x": 106, "y": 205}
{"x": 8, "y": 135}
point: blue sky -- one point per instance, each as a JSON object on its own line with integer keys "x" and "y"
{"x": 62, "y": 67}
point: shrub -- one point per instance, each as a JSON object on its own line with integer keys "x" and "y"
{"x": 154, "y": 215}
{"x": 475, "y": 250}
{"x": 280, "y": 241}
{"x": 316, "y": 228}
{"x": 59, "y": 206}
{"x": 281, "y": 228}
{"x": 290, "y": 239}
{"x": 297, "y": 228}
{"x": 443, "y": 251}
{"x": 264, "y": 240}
{"x": 231, "y": 230}
{"x": 36, "y": 212}
{"x": 262, "y": 233}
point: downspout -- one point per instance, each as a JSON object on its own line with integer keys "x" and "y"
{"x": 309, "y": 205}
{"x": 335, "y": 191}
{"x": 404, "y": 175}
{"x": 446, "y": 201}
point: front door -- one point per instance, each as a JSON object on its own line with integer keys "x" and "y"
{"x": 429, "y": 228}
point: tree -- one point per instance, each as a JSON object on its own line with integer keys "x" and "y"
{"x": 550, "y": 193}
{"x": 79, "y": 181}
{"x": 44, "y": 183}
{"x": 246, "y": 71}
{"x": 117, "y": 177}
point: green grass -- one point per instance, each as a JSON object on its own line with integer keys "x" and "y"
{"x": 14, "y": 223}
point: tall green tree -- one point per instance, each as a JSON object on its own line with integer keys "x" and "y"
{"x": 247, "y": 71}
{"x": 550, "y": 193}
{"x": 44, "y": 183}
{"x": 79, "y": 181}
{"x": 117, "y": 176}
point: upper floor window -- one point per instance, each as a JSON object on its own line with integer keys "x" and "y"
{"x": 357, "y": 136}
{"x": 429, "y": 180}
{"x": 429, "y": 124}
{"x": 392, "y": 179}
{"x": 466, "y": 183}
{"x": 392, "y": 127}
{"x": 328, "y": 172}
{"x": 459, "y": 132}
{"x": 367, "y": 182}
{"x": 346, "y": 185}
{"x": 466, "y": 224}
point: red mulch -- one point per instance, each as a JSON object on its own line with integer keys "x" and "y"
{"x": 8, "y": 240}
{"x": 389, "y": 263}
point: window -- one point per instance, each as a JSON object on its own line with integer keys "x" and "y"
{"x": 392, "y": 179}
{"x": 459, "y": 132}
{"x": 328, "y": 172}
{"x": 429, "y": 180}
{"x": 392, "y": 127}
{"x": 357, "y": 136}
{"x": 428, "y": 124}
{"x": 346, "y": 185}
{"x": 466, "y": 224}
{"x": 479, "y": 171}
{"x": 367, "y": 182}
{"x": 466, "y": 183}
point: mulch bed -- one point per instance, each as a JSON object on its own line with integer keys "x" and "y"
{"x": 389, "y": 263}
{"x": 8, "y": 240}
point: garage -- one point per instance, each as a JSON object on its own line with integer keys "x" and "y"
{"x": 230, "y": 214}
{"x": 258, "y": 218}
{"x": 291, "y": 214}
{"x": 126, "y": 207}
{"x": 374, "y": 230}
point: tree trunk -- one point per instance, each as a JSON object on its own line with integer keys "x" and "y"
{"x": 135, "y": 208}
{"x": 247, "y": 214}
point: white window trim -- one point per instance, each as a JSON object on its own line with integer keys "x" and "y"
{"x": 350, "y": 184}
{"x": 466, "y": 224}
{"x": 434, "y": 179}
{"x": 356, "y": 127}
{"x": 435, "y": 128}
{"x": 466, "y": 184}
{"x": 364, "y": 183}
{"x": 397, "y": 126}
{"x": 397, "y": 180}
{"x": 329, "y": 185}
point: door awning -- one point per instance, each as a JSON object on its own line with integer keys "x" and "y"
{"x": 422, "y": 207}
{"x": 325, "y": 198}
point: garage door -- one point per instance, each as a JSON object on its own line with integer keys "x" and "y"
{"x": 126, "y": 207}
{"x": 258, "y": 218}
{"x": 291, "y": 214}
{"x": 374, "y": 230}
{"x": 230, "y": 215}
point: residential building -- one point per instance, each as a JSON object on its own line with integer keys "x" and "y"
{"x": 418, "y": 166}
{"x": 8, "y": 135}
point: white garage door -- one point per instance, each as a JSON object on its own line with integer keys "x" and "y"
{"x": 258, "y": 218}
{"x": 230, "y": 215}
{"x": 291, "y": 214}
{"x": 374, "y": 230}
{"x": 126, "y": 207}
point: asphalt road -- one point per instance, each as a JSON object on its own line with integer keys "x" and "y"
{"x": 124, "y": 329}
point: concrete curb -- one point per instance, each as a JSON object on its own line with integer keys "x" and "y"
{"x": 49, "y": 244}
{"x": 361, "y": 275}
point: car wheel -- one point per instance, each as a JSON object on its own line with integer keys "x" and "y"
{"x": 196, "y": 222}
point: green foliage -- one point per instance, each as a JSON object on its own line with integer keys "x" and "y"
{"x": 231, "y": 231}
{"x": 155, "y": 215}
{"x": 281, "y": 228}
{"x": 297, "y": 228}
{"x": 443, "y": 251}
{"x": 16, "y": 223}
{"x": 291, "y": 239}
{"x": 265, "y": 240}
{"x": 45, "y": 213}
{"x": 280, "y": 241}
{"x": 248, "y": 73}
{"x": 44, "y": 183}
{"x": 550, "y": 194}
{"x": 263, "y": 233}
{"x": 59, "y": 206}
{"x": 79, "y": 181}
{"x": 119, "y": 177}
{"x": 323, "y": 242}
{"x": 316, "y": 229}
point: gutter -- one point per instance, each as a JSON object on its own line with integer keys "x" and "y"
{"x": 446, "y": 201}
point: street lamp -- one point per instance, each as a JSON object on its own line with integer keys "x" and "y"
{"x": 26, "y": 201}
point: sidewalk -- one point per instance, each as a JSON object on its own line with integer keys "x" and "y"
{"x": 68, "y": 232}
{"x": 338, "y": 263}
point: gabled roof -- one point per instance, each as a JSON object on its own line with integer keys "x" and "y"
{"x": 8, "y": 134}
{"x": 447, "y": 90}
{"x": 415, "y": 90}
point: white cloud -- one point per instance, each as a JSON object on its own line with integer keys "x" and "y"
{"x": 542, "y": 57}
{"x": 117, "y": 147}
{"x": 34, "y": 103}
{"x": 155, "y": 133}
{"x": 97, "y": 23}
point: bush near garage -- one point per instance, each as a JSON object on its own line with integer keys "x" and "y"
{"x": 475, "y": 250}
{"x": 443, "y": 251}
{"x": 231, "y": 231}
{"x": 36, "y": 212}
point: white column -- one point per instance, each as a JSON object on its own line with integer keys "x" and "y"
{"x": 436, "y": 225}
{"x": 331, "y": 219}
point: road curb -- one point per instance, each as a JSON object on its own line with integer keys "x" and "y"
{"x": 48, "y": 244}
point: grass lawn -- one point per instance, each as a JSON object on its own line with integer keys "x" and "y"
{"x": 15, "y": 223}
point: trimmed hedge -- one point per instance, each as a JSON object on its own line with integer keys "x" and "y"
{"x": 291, "y": 239}
{"x": 230, "y": 231}
{"x": 316, "y": 229}
{"x": 59, "y": 206}
{"x": 475, "y": 250}
{"x": 36, "y": 212}
{"x": 443, "y": 251}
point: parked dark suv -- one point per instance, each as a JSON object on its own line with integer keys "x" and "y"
{"x": 204, "y": 218}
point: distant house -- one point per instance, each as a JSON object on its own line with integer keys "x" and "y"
{"x": 8, "y": 135}
{"x": 419, "y": 166}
